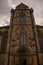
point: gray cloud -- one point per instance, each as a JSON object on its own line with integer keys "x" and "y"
{"x": 6, "y": 5}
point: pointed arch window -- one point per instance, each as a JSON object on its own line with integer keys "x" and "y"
{"x": 22, "y": 19}
{"x": 23, "y": 36}
{"x": 4, "y": 42}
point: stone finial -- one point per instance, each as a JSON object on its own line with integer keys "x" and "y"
{"x": 12, "y": 10}
{"x": 31, "y": 10}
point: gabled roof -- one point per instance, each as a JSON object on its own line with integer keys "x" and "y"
{"x": 22, "y": 6}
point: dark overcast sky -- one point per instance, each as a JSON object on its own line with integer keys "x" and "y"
{"x": 6, "y": 5}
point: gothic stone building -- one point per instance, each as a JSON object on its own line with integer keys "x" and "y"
{"x": 21, "y": 43}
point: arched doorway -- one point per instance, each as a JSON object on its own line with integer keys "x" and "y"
{"x": 23, "y": 61}
{"x": 23, "y": 56}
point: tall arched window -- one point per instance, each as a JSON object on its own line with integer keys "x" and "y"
{"x": 23, "y": 36}
{"x": 22, "y": 19}
{"x": 4, "y": 42}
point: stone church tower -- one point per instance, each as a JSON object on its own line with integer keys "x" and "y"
{"x": 22, "y": 44}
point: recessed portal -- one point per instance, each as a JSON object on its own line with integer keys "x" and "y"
{"x": 23, "y": 62}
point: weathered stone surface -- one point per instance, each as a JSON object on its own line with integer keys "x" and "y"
{"x": 23, "y": 43}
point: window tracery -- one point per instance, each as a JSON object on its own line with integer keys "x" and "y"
{"x": 23, "y": 36}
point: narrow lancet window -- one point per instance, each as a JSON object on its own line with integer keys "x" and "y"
{"x": 22, "y": 19}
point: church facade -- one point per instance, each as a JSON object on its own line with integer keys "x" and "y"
{"x": 20, "y": 42}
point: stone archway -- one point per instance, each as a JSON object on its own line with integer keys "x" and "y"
{"x": 23, "y": 56}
